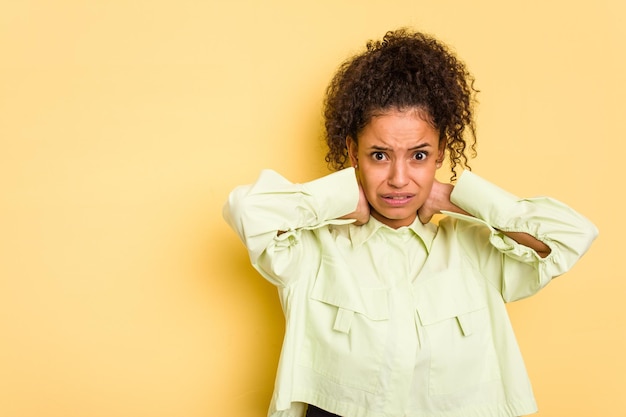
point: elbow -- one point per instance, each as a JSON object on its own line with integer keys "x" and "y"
{"x": 588, "y": 235}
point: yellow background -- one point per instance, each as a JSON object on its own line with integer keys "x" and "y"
{"x": 124, "y": 124}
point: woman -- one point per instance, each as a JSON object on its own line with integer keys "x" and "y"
{"x": 386, "y": 313}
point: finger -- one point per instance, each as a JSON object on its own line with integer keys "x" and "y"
{"x": 424, "y": 218}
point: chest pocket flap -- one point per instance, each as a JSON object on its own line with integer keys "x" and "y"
{"x": 343, "y": 293}
{"x": 447, "y": 294}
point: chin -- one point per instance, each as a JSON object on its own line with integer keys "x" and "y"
{"x": 398, "y": 218}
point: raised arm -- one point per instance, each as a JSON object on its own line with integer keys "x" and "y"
{"x": 439, "y": 201}
{"x": 545, "y": 235}
{"x": 271, "y": 215}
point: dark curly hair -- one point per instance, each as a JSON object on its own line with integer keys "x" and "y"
{"x": 405, "y": 70}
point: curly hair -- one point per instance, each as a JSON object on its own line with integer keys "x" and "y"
{"x": 405, "y": 70}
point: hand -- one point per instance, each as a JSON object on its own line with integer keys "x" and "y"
{"x": 438, "y": 199}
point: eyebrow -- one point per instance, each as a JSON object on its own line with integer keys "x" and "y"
{"x": 416, "y": 147}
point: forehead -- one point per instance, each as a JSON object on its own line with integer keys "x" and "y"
{"x": 400, "y": 127}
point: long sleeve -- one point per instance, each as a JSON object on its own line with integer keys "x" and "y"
{"x": 258, "y": 212}
{"x": 568, "y": 234}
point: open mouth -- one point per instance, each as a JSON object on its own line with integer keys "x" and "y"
{"x": 397, "y": 199}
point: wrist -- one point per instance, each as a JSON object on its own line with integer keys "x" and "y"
{"x": 442, "y": 193}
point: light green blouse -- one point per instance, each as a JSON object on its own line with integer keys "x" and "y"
{"x": 408, "y": 322}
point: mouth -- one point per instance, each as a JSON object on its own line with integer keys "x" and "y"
{"x": 397, "y": 199}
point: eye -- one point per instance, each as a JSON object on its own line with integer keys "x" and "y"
{"x": 378, "y": 156}
{"x": 420, "y": 155}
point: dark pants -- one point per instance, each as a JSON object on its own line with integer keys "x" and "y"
{"x": 313, "y": 411}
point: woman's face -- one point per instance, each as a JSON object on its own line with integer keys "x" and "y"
{"x": 396, "y": 155}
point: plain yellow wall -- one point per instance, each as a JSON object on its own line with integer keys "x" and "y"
{"x": 124, "y": 124}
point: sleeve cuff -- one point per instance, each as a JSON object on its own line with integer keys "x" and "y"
{"x": 337, "y": 194}
{"x": 481, "y": 198}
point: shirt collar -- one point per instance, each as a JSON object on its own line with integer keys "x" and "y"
{"x": 361, "y": 234}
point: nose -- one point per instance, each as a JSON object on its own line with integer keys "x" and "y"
{"x": 398, "y": 174}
